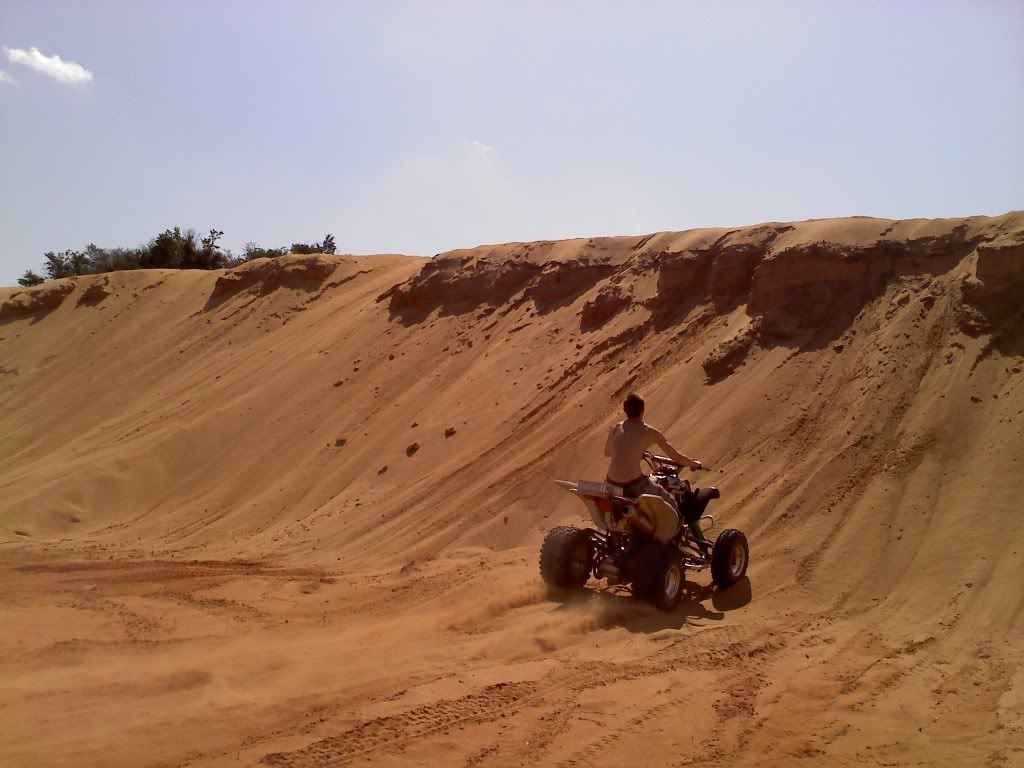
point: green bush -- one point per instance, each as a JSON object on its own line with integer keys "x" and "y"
{"x": 66, "y": 264}
{"x": 252, "y": 251}
{"x": 327, "y": 246}
{"x": 114, "y": 259}
{"x": 30, "y": 278}
{"x": 171, "y": 249}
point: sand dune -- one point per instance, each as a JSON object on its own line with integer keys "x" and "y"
{"x": 288, "y": 514}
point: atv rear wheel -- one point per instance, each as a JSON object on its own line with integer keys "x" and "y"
{"x": 659, "y": 573}
{"x": 566, "y": 557}
{"x": 729, "y": 558}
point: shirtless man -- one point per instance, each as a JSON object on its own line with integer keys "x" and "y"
{"x": 627, "y": 441}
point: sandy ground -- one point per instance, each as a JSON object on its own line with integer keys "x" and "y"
{"x": 289, "y": 515}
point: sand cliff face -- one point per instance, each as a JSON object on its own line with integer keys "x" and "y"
{"x": 812, "y": 278}
{"x": 855, "y": 384}
{"x": 547, "y": 326}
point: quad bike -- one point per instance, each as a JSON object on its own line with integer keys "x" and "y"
{"x": 643, "y": 541}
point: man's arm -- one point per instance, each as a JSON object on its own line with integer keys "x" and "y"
{"x": 673, "y": 454}
{"x": 608, "y": 442}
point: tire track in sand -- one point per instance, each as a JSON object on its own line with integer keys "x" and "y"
{"x": 393, "y": 731}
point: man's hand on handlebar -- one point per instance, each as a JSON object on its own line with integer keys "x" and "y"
{"x": 691, "y": 463}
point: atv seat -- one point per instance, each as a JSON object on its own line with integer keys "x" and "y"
{"x": 697, "y": 502}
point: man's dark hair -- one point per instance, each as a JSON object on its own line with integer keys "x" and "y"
{"x": 633, "y": 405}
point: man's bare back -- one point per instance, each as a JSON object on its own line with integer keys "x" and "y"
{"x": 627, "y": 441}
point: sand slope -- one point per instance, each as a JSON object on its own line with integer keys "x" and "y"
{"x": 288, "y": 514}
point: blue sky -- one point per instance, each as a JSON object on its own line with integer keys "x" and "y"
{"x": 417, "y": 127}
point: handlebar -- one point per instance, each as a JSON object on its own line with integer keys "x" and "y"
{"x": 654, "y": 459}
{"x": 661, "y": 459}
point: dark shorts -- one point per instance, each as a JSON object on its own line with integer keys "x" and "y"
{"x": 644, "y": 485}
{"x": 633, "y": 488}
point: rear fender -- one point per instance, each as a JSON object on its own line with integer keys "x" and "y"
{"x": 594, "y": 496}
{"x": 601, "y": 518}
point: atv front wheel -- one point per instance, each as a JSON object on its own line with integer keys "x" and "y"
{"x": 729, "y": 558}
{"x": 659, "y": 573}
{"x": 566, "y": 557}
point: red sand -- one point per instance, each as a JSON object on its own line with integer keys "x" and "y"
{"x": 205, "y": 562}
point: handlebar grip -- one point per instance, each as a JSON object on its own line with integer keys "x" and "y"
{"x": 664, "y": 460}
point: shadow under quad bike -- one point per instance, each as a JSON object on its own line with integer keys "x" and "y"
{"x": 643, "y": 541}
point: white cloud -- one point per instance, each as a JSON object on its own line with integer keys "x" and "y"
{"x": 54, "y": 66}
{"x": 483, "y": 149}
{"x": 5, "y": 78}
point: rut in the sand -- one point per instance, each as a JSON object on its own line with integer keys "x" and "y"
{"x": 734, "y": 666}
{"x": 389, "y": 733}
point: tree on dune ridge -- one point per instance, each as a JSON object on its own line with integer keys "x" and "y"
{"x": 171, "y": 249}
